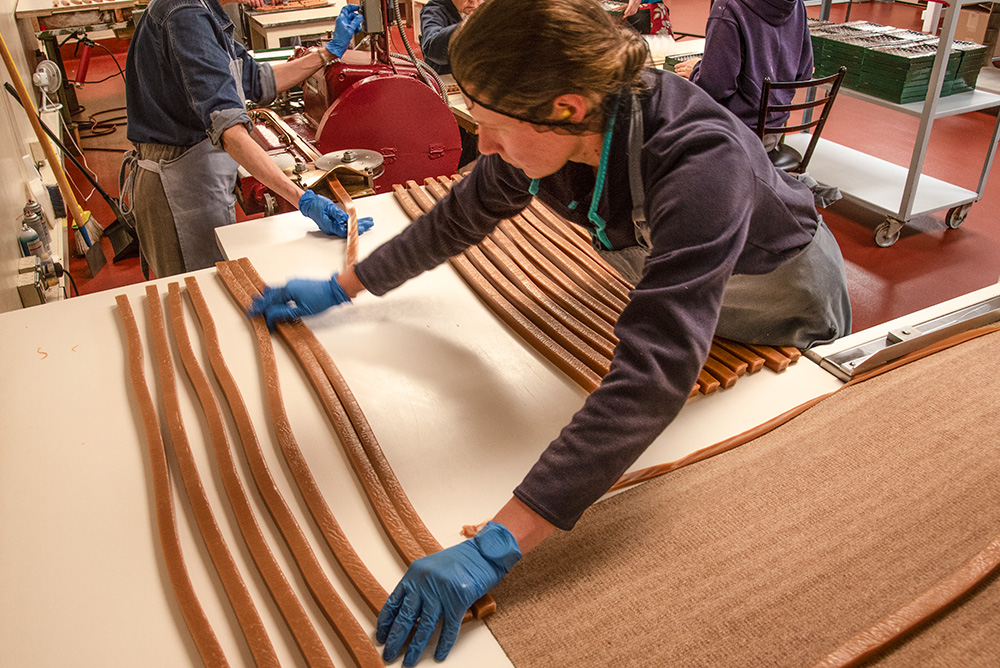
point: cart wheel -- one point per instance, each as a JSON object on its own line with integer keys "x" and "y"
{"x": 886, "y": 234}
{"x": 956, "y": 216}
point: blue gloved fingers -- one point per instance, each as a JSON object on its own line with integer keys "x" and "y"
{"x": 365, "y": 224}
{"x": 429, "y": 616}
{"x": 407, "y": 616}
{"x": 450, "y": 627}
{"x": 387, "y": 614}
{"x": 269, "y": 297}
{"x": 281, "y": 313}
{"x": 349, "y": 11}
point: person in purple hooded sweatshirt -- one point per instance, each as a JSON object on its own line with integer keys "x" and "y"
{"x": 745, "y": 41}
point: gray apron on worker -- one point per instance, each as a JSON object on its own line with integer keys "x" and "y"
{"x": 200, "y": 190}
{"x": 802, "y": 303}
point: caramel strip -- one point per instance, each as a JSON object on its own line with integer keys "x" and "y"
{"x": 514, "y": 266}
{"x": 528, "y": 331}
{"x": 773, "y": 358}
{"x": 920, "y": 611}
{"x": 707, "y": 384}
{"x": 726, "y": 376}
{"x": 399, "y": 519}
{"x": 792, "y": 353}
{"x": 197, "y": 623}
{"x": 352, "y": 221}
{"x": 333, "y": 535}
{"x": 602, "y": 312}
{"x": 754, "y": 361}
{"x": 306, "y": 637}
{"x": 579, "y": 237}
{"x": 355, "y": 639}
{"x": 536, "y": 234}
{"x": 236, "y": 589}
{"x": 738, "y": 366}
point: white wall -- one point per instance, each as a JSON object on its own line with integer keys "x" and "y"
{"x": 15, "y": 137}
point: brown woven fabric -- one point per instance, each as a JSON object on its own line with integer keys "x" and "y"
{"x": 775, "y": 553}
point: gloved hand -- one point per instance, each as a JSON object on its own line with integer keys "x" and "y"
{"x": 309, "y": 297}
{"x": 348, "y": 23}
{"x": 441, "y": 587}
{"x": 330, "y": 218}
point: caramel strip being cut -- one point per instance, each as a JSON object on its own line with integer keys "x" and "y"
{"x": 352, "y": 220}
{"x": 236, "y": 589}
{"x": 194, "y": 616}
{"x": 928, "y": 605}
{"x": 306, "y": 637}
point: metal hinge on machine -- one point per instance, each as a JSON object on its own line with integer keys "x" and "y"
{"x": 898, "y": 342}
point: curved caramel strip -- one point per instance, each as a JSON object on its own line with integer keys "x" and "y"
{"x": 604, "y": 316}
{"x": 355, "y": 640}
{"x": 247, "y": 522}
{"x": 528, "y": 331}
{"x": 579, "y": 237}
{"x": 529, "y": 284}
{"x": 359, "y": 575}
{"x": 566, "y": 263}
{"x": 306, "y": 637}
{"x": 925, "y": 607}
{"x": 352, "y": 221}
{"x": 568, "y": 311}
{"x": 399, "y": 519}
{"x": 642, "y": 475}
{"x": 236, "y": 589}
{"x": 197, "y": 623}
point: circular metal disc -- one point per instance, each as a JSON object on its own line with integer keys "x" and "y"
{"x": 359, "y": 159}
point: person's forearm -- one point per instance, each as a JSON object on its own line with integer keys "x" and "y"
{"x": 348, "y": 280}
{"x": 238, "y": 143}
{"x": 293, "y": 72}
{"x": 528, "y": 527}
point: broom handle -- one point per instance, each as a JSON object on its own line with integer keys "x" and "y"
{"x": 29, "y": 107}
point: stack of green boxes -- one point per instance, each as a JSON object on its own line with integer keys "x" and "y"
{"x": 890, "y": 63}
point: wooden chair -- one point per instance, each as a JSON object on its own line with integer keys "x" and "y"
{"x": 785, "y": 157}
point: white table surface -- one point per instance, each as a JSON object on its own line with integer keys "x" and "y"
{"x": 460, "y": 405}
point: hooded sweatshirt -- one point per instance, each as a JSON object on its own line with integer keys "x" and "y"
{"x": 747, "y": 40}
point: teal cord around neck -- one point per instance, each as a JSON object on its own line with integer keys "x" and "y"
{"x": 602, "y": 170}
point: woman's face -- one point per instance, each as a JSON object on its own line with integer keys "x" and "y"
{"x": 537, "y": 154}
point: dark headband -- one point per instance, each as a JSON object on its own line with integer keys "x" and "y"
{"x": 515, "y": 116}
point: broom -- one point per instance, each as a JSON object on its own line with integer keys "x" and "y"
{"x": 86, "y": 229}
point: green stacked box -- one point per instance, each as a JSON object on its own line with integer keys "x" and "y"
{"x": 850, "y": 51}
{"x": 672, "y": 61}
{"x": 900, "y": 73}
{"x": 829, "y": 54}
{"x": 973, "y": 57}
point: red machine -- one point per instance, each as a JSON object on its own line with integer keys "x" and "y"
{"x": 371, "y": 101}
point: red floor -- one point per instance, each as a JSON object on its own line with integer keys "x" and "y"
{"x": 927, "y": 265}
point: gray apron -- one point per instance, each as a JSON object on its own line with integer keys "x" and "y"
{"x": 200, "y": 190}
{"x": 802, "y": 303}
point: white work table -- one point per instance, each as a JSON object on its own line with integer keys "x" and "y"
{"x": 460, "y": 405}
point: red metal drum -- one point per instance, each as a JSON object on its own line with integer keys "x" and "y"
{"x": 403, "y": 119}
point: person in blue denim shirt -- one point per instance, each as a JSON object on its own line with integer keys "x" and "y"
{"x": 187, "y": 83}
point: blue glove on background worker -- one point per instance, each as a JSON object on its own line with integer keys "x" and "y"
{"x": 441, "y": 587}
{"x": 348, "y": 23}
{"x": 330, "y": 218}
{"x": 297, "y": 298}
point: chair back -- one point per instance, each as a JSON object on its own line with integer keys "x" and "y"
{"x": 785, "y": 157}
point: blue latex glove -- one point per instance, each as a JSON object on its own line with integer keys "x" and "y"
{"x": 307, "y": 297}
{"x": 329, "y": 217}
{"x": 348, "y": 23}
{"x": 441, "y": 587}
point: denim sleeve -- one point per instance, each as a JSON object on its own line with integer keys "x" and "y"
{"x": 258, "y": 78}
{"x": 200, "y": 56}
